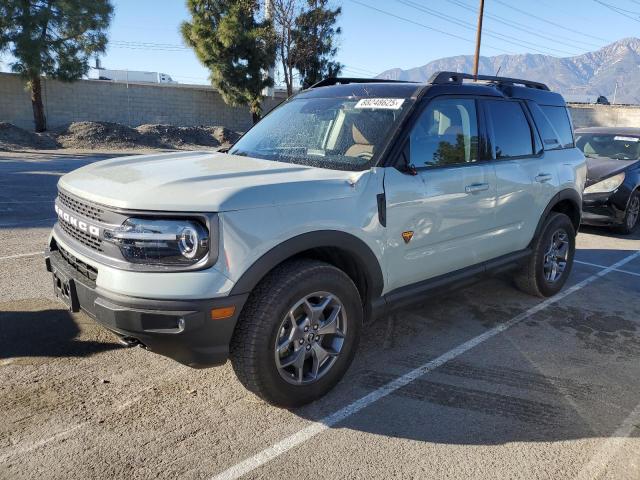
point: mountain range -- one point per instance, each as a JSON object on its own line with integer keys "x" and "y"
{"x": 580, "y": 79}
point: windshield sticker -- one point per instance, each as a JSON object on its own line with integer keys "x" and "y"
{"x": 384, "y": 103}
{"x": 626, "y": 139}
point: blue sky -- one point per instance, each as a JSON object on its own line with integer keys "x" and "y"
{"x": 382, "y": 34}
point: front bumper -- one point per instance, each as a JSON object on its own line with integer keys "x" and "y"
{"x": 603, "y": 209}
{"x": 179, "y": 329}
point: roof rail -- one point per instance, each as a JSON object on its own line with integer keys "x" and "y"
{"x": 456, "y": 78}
{"x": 327, "y": 82}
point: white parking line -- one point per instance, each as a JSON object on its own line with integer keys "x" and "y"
{"x": 39, "y": 443}
{"x": 610, "y": 447}
{"x": 603, "y": 266}
{"x": 20, "y": 255}
{"x": 315, "y": 428}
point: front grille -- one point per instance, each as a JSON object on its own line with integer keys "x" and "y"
{"x": 83, "y": 208}
{"x": 84, "y": 269}
{"x": 82, "y": 237}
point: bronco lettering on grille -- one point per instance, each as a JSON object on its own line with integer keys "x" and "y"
{"x": 77, "y": 223}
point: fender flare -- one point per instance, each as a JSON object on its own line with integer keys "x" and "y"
{"x": 566, "y": 194}
{"x": 357, "y": 248}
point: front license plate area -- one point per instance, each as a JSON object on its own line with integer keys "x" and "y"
{"x": 65, "y": 289}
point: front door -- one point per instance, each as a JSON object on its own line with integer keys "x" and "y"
{"x": 442, "y": 218}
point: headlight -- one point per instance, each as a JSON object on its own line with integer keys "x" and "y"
{"x": 161, "y": 242}
{"x": 606, "y": 185}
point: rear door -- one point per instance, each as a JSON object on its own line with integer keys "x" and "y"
{"x": 526, "y": 178}
{"x": 441, "y": 218}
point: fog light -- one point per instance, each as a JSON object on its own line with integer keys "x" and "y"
{"x": 222, "y": 313}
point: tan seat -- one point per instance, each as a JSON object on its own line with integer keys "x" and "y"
{"x": 361, "y": 147}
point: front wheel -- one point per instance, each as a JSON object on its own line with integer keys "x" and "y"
{"x": 631, "y": 215}
{"x": 548, "y": 268}
{"x": 298, "y": 333}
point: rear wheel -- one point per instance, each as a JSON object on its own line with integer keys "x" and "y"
{"x": 548, "y": 268}
{"x": 298, "y": 333}
{"x": 631, "y": 215}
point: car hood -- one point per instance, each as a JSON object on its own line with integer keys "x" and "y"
{"x": 599, "y": 168}
{"x": 205, "y": 182}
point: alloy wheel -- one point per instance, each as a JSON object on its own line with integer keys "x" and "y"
{"x": 556, "y": 256}
{"x": 633, "y": 211}
{"x": 310, "y": 338}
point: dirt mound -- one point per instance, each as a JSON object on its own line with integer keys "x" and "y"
{"x": 224, "y": 135}
{"x": 15, "y": 138}
{"x": 100, "y": 135}
{"x": 112, "y": 136}
{"x": 169, "y": 136}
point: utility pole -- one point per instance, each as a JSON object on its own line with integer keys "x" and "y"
{"x": 268, "y": 15}
{"x": 476, "y": 59}
{"x": 615, "y": 93}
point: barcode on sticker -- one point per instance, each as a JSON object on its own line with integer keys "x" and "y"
{"x": 385, "y": 103}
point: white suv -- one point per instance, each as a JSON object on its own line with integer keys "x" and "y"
{"x": 353, "y": 198}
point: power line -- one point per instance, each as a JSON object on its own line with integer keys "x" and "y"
{"x": 503, "y": 37}
{"x": 564, "y": 27}
{"x": 147, "y": 45}
{"x": 635, "y": 16}
{"x": 449, "y": 34}
{"x": 525, "y": 28}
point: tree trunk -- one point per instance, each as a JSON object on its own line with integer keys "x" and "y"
{"x": 255, "y": 116}
{"x": 36, "y": 102}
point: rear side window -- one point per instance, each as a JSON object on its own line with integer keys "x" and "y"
{"x": 511, "y": 131}
{"x": 559, "y": 118}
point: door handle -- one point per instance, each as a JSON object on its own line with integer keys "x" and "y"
{"x": 476, "y": 187}
{"x": 543, "y": 177}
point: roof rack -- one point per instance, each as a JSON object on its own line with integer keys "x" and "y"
{"x": 327, "y": 82}
{"x": 456, "y": 78}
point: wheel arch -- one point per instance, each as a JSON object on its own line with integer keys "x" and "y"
{"x": 566, "y": 201}
{"x": 341, "y": 249}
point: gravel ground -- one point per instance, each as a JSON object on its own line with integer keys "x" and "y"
{"x": 528, "y": 389}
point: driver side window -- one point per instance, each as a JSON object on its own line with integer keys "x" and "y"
{"x": 446, "y": 134}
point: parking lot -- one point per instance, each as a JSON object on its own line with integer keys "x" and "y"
{"x": 485, "y": 382}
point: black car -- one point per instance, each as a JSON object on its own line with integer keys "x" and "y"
{"x": 611, "y": 195}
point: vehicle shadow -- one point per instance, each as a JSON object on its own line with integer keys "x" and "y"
{"x": 555, "y": 376}
{"x": 608, "y": 232}
{"x": 45, "y": 333}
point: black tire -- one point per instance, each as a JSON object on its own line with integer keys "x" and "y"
{"x": 253, "y": 352}
{"x": 531, "y": 278}
{"x": 631, "y": 218}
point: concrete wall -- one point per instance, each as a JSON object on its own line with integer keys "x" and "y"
{"x": 605, "y": 115}
{"x": 133, "y": 104}
{"x": 136, "y": 104}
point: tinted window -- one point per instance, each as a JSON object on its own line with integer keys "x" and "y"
{"x": 445, "y": 134}
{"x": 550, "y": 138}
{"x": 511, "y": 131}
{"x": 559, "y": 118}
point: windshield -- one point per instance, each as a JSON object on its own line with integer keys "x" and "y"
{"x": 335, "y": 133}
{"x": 621, "y": 147}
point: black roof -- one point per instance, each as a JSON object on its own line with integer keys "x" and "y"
{"x": 610, "y": 130}
{"x": 441, "y": 82}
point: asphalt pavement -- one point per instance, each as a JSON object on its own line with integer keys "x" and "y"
{"x": 484, "y": 382}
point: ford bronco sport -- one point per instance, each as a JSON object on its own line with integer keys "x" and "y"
{"x": 350, "y": 200}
